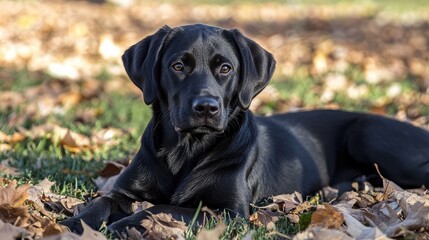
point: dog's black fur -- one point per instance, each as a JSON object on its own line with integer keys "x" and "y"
{"x": 203, "y": 144}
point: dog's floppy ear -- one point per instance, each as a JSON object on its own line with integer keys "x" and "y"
{"x": 257, "y": 68}
{"x": 141, "y": 62}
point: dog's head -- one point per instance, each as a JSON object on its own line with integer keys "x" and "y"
{"x": 199, "y": 74}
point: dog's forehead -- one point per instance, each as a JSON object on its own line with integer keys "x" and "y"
{"x": 200, "y": 40}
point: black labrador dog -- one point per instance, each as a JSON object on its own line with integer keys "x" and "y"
{"x": 203, "y": 144}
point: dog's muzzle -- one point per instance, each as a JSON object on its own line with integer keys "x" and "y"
{"x": 204, "y": 116}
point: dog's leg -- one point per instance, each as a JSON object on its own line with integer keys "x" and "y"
{"x": 401, "y": 150}
{"x": 94, "y": 214}
{"x": 103, "y": 209}
{"x": 179, "y": 213}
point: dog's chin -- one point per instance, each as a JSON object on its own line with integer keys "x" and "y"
{"x": 199, "y": 130}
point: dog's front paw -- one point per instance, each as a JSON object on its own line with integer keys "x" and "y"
{"x": 121, "y": 227}
{"x": 73, "y": 224}
{"x": 94, "y": 214}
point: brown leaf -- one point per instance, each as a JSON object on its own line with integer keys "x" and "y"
{"x": 70, "y": 203}
{"x": 70, "y": 99}
{"x": 14, "y": 138}
{"x": 389, "y": 186}
{"x": 92, "y": 88}
{"x": 134, "y": 234}
{"x": 409, "y": 211}
{"x": 70, "y": 143}
{"x": 44, "y": 186}
{"x": 320, "y": 63}
{"x": 91, "y": 234}
{"x": 213, "y": 234}
{"x": 10, "y": 232}
{"x": 359, "y": 231}
{"x": 294, "y": 214}
{"x": 360, "y": 199}
{"x": 36, "y": 195}
{"x": 107, "y": 136}
{"x": 42, "y": 226}
{"x": 53, "y": 229}
{"x": 4, "y": 147}
{"x": 318, "y": 233}
{"x": 139, "y": 206}
{"x": 111, "y": 169}
{"x": 58, "y": 134}
{"x": 11, "y": 203}
{"x": 302, "y": 207}
{"x": 64, "y": 236}
{"x": 265, "y": 218}
{"x": 11, "y": 194}
{"x": 10, "y": 100}
{"x": 5, "y": 168}
{"x": 163, "y": 226}
{"x": 287, "y": 202}
{"x": 327, "y": 217}
{"x": 35, "y": 192}
{"x": 87, "y": 115}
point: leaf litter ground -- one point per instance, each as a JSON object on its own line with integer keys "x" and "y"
{"x": 60, "y": 70}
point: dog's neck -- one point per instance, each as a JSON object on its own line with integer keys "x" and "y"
{"x": 183, "y": 152}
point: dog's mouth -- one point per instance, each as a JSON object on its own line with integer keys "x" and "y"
{"x": 204, "y": 129}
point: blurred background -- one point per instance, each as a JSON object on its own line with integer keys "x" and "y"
{"x": 65, "y": 99}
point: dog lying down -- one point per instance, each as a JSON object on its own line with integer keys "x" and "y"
{"x": 203, "y": 144}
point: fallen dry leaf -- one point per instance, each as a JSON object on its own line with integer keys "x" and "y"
{"x": 212, "y": 234}
{"x": 327, "y": 217}
{"x": 10, "y": 232}
{"x": 91, "y": 234}
{"x": 5, "y": 168}
{"x": 4, "y": 147}
{"x": 107, "y": 136}
{"x": 70, "y": 203}
{"x": 53, "y": 229}
{"x": 389, "y": 186}
{"x": 12, "y": 198}
{"x": 359, "y": 231}
{"x": 266, "y": 218}
{"x": 42, "y": 226}
{"x": 69, "y": 143}
{"x": 64, "y": 236}
{"x": 134, "y": 234}
{"x": 9, "y": 100}
{"x": 87, "y": 115}
{"x": 361, "y": 199}
{"x": 69, "y": 99}
{"x": 163, "y": 226}
{"x": 319, "y": 233}
{"x": 288, "y": 202}
{"x": 6, "y": 142}
{"x": 139, "y": 206}
{"x": 63, "y": 38}
{"x": 111, "y": 169}
{"x": 14, "y": 138}
{"x": 36, "y": 192}
{"x": 409, "y": 211}
{"x": 72, "y": 141}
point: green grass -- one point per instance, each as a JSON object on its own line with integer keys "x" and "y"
{"x": 42, "y": 158}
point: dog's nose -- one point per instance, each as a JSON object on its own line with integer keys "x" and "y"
{"x": 206, "y": 105}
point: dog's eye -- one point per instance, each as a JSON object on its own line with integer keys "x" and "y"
{"x": 225, "y": 69}
{"x": 178, "y": 67}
